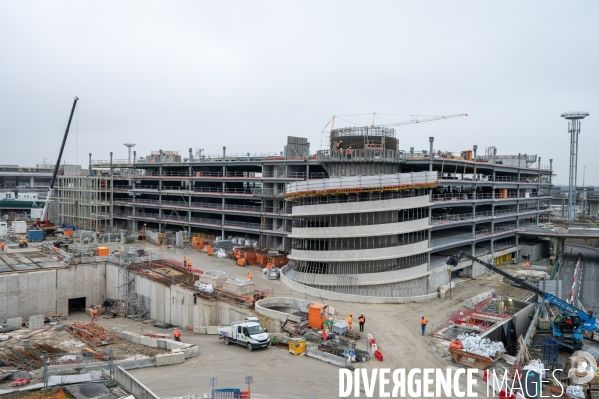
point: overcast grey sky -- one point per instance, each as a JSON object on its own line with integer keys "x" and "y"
{"x": 245, "y": 74}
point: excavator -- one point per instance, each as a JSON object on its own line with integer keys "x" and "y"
{"x": 567, "y": 327}
{"x": 43, "y": 222}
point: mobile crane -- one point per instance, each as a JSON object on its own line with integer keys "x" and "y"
{"x": 567, "y": 327}
{"x": 43, "y": 222}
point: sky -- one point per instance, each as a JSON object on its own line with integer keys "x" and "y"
{"x": 175, "y": 75}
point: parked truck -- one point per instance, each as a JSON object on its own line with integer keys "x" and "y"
{"x": 248, "y": 333}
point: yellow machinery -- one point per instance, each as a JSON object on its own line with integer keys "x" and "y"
{"x": 297, "y": 346}
{"x": 22, "y": 243}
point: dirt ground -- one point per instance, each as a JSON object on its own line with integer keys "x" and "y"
{"x": 278, "y": 374}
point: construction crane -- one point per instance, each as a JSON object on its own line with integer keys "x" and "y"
{"x": 417, "y": 120}
{"x": 43, "y": 222}
{"x": 567, "y": 327}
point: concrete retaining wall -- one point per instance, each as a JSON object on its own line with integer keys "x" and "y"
{"x": 263, "y": 307}
{"x": 132, "y": 385}
{"x": 176, "y": 305}
{"x": 48, "y": 291}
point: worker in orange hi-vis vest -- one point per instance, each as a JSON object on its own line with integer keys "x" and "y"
{"x": 423, "y": 322}
{"x": 185, "y": 262}
{"x": 177, "y": 335}
{"x": 189, "y": 265}
{"x": 94, "y": 314}
{"x": 350, "y": 322}
{"x": 362, "y": 320}
{"x": 249, "y": 275}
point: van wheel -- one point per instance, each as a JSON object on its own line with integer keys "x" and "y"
{"x": 250, "y": 347}
{"x": 226, "y": 341}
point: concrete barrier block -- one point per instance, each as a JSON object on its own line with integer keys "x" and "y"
{"x": 326, "y": 357}
{"x": 211, "y": 330}
{"x": 136, "y": 339}
{"x": 149, "y": 342}
{"x": 170, "y": 358}
{"x": 191, "y": 351}
{"x": 15, "y": 322}
{"x": 199, "y": 330}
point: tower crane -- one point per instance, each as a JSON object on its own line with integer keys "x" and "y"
{"x": 418, "y": 120}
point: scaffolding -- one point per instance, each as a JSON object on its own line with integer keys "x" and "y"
{"x": 134, "y": 305}
{"x": 85, "y": 202}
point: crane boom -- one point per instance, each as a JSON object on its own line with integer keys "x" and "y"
{"x": 588, "y": 320}
{"x": 561, "y": 304}
{"x": 44, "y": 218}
{"x": 417, "y": 120}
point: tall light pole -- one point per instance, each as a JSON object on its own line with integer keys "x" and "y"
{"x": 574, "y": 130}
{"x": 584, "y": 192}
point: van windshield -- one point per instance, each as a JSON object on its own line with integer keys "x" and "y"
{"x": 255, "y": 330}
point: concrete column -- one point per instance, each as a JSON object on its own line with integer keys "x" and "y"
{"x": 593, "y": 208}
{"x": 111, "y": 164}
{"x": 551, "y": 170}
{"x": 474, "y": 148}
{"x": 31, "y": 181}
{"x": 519, "y": 161}
{"x": 190, "y": 161}
{"x": 90, "y": 162}
{"x": 308, "y": 163}
{"x": 430, "y": 164}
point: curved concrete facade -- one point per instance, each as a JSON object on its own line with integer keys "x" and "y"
{"x": 362, "y": 244}
{"x": 360, "y": 254}
{"x": 361, "y": 231}
{"x": 363, "y": 206}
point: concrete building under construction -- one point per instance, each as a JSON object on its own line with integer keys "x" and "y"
{"x": 361, "y": 220}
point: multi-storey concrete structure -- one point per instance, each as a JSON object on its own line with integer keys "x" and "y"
{"x": 359, "y": 235}
{"x": 377, "y": 237}
{"x": 228, "y": 194}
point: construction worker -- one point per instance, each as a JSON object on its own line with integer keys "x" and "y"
{"x": 189, "y": 265}
{"x": 94, "y": 314}
{"x": 339, "y": 145}
{"x": 185, "y": 262}
{"x": 423, "y": 321}
{"x": 177, "y": 335}
{"x": 362, "y": 320}
{"x": 350, "y": 322}
{"x": 2, "y": 246}
{"x": 249, "y": 275}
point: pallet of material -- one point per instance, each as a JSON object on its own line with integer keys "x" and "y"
{"x": 92, "y": 334}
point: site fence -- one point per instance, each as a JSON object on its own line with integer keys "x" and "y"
{"x": 67, "y": 368}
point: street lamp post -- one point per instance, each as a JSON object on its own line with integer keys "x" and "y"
{"x": 584, "y": 192}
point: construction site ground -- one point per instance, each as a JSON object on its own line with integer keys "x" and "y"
{"x": 63, "y": 341}
{"x": 277, "y": 373}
